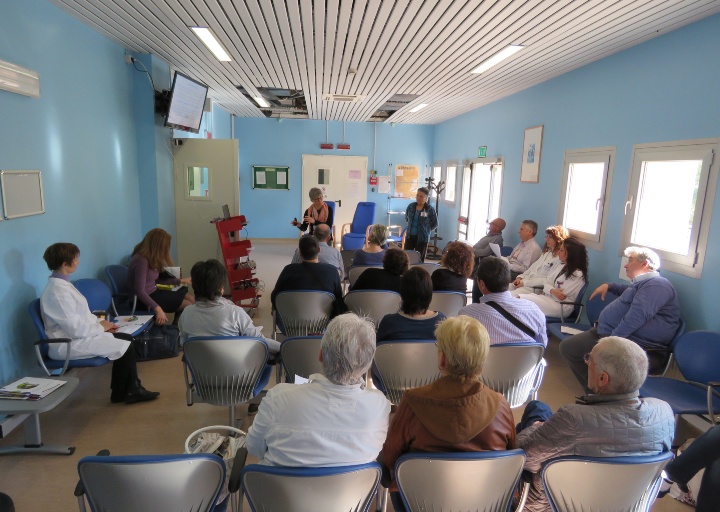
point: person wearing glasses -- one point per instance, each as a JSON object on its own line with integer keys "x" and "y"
{"x": 421, "y": 219}
{"x": 318, "y": 213}
{"x": 548, "y": 264}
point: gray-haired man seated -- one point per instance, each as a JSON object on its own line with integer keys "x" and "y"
{"x": 611, "y": 422}
{"x": 333, "y": 420}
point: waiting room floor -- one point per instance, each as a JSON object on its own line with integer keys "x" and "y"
{"x": 88, "y": 421}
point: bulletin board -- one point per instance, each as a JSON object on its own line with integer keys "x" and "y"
{"x": 22, "y": 193}
{"x": 406, "y": 180}
{"x": 271, "y": 177}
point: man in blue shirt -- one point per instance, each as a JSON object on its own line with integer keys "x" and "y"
{"x": 646, "y": 312}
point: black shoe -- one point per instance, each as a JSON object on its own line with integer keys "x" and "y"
{"x": 140, "y": 394}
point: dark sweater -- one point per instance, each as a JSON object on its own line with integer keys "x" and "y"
{"x": 378, "y": 279}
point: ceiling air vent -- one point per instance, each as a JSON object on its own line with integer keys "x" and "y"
{"x": 343, "y": 98}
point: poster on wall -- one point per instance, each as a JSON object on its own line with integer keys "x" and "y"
{"x": 532, "y": 149}
{"x": 406, "y": 180}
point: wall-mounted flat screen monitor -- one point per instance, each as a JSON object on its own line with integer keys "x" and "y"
{"x": 187, "y": 99}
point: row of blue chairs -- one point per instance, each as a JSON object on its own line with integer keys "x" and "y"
{"x": 481, "y": 481}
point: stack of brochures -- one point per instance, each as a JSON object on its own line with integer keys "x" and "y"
{"x": 30, "y": 388}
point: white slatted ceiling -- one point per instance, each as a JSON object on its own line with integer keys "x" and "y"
{"x": 420, "y": 47}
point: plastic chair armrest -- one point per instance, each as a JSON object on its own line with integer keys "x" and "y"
{"x": 40, "y": 358}
{"x": 238, "y": 465}
{"x": 342, "y": 230}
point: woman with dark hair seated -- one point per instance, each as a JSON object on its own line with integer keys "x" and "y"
{"x": 212, "y": 314}
{"x": 415, "y": 321}
{"x": 457, "y": 412}
{"x": 395, "y": 263}
{"x": 458, "y": 265}
{"x": 66, "y": 314}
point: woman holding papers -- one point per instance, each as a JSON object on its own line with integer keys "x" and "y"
{"x": 66, "y": 314}
{"x": 147, "y": 271}
{"x": 548, "y": 264}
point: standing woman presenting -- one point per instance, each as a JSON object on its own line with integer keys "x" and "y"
{"x": 149, "y": 259}
{"x": 421, "y": 220}
{"x": 318, "y": 213}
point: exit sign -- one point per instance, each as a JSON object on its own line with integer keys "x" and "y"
{"x": 482, "y": 151}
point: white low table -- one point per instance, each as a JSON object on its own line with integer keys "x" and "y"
{"x": 31, "y": 411}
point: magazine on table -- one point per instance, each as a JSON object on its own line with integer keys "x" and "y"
{"x": 30, "y": 388}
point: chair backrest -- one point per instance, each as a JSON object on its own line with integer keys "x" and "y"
{"x": 225, "y": 369}
{"x": 347, "y": 258}
{"x": 152, "y": 482}
{"x": 304, "y": 312}
{"x": 364, "y": 216}
{"x": 373, "y": 303}
{"x": 514, "y": 370}
{"x": 346, "y": 488}
{"x": 300, "y": 356}
{"x": 355, "y": 271}
{"x": 506, "y": 250}
{"x": 697, "y": 354}
{"x": 96, "y": 292}
{"x": 117, "y": 275}
{"x": 595, "y": 483}
{"x": 429, "y": 267}
{"x": 414, "y": 256}
{"x": 449, "y": 303}
{"x": 596, "y": 305}
{"x": 331, "y": 206}
{"x": 478, "y": 481}
{"x": 578, "y": 300}
{"x": 405, "y": 364}
{"x": 36, "y": 315}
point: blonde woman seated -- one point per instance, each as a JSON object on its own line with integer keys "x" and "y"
{"x": 563, "y": 286}
{"x": 456, "y": 413}
{"x": 458, "y": 266}
{"x": 548, "y": 264}
{"x": 373, "y": 252}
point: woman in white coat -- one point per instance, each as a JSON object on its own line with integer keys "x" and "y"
{"x": 566, "y": 284}
{"x": 548, "y": 264}
{"x": 66, "y": 314}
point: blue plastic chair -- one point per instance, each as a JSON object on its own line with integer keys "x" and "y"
{"x": 318, "y": 489}
{"x": 593, "y": 308}
{"x": 225, "y": 370}
{"x": 364, "y": 216}
{"x": 576, "y": 312}
{"x": 124, "y": 300}
{"x": 448, "y": 303}
{"x": 697, "y": 354}
{"x": 96, "y": 292}
{"x": 299, "y": 356}
{"x": 145, "y": 483}
{"x": 400, "y": 365}
{"x": 575, "y": 484}
{"x": 56, "y": 366}
{"x": 478, "y": 481}
{"x": 515, "y": 370}
{"x": 331, "y": 205}
{"x": 506, "y": 250}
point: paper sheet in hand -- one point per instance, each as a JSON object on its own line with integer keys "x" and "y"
{"x": 495, "y": 249}
{"x": 569, "y": 330}
{"x": 301, "y": 380}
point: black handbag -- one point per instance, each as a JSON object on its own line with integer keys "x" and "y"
{"x": 157, "y": 342}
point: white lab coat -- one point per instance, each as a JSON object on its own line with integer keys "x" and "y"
{"x": 66, "y": 314}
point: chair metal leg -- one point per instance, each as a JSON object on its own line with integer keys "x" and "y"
{"x": 382, "y": 499}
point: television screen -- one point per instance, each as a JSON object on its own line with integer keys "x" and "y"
{"x": 187, "y": 99}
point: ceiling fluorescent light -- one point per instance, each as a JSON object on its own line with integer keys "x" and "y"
{"x": 498, "y": 58}
{"x": 418, "y": 107}
{"x": 261, "y": 102}
{"x": 212, "y": 44}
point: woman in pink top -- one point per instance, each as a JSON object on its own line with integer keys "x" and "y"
{"x": 149, "y": 258}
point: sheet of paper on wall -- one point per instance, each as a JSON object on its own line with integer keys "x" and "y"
{"x": 355, "y": 175}
{"x": 281, "y": 178}
{"x": 260, "y": 178}
{"x": 495, "y": 248}
{"x": 384, "y": 184}
{"x": 354, "y": 190}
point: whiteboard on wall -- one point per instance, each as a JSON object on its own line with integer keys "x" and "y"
{"x": 22, "y": 193}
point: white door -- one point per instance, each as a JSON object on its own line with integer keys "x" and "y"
{"x": 480, "y": 199}
{"x": 206, "y": 178}
{"x": 342, "y": 179}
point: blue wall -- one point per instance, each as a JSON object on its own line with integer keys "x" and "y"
{"x": 663, "y": 90}
{"x": 269, "y": 142}
{"x": 81, "y": 134}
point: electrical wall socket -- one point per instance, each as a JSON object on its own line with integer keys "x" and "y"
{"x": 128, "y": 59}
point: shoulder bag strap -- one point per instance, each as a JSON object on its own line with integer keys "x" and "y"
{"x": 517, "y": 323}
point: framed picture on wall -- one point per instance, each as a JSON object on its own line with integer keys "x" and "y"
{"x": 532, "y": 150}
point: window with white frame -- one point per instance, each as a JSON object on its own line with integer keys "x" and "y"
{"x": 670, "y": 200}
{"x": 450, "y": 181}
{"x": 479, "y": 198}
{"x": 437, "y": 176}
{"x": 585, "y": 193}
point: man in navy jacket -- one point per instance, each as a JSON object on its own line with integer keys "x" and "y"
{"x": 646, "y": 312}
